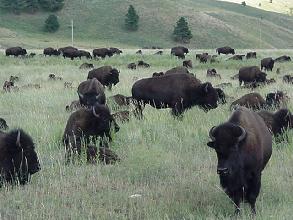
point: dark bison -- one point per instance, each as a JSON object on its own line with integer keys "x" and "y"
{"x": 160, "y": 52}
{"x": 279, "y": 121}
{"x": 225, "y": 50}
{"x": 157, "y": 74}
{"x": 237, "y": 57}
{"x": 107, "y": 75}
{"x": 139, "y": 52}
{"x": 252, "y": 100}
{"x": 131, "y": 66}
{"x": 213, "y": 73}
{"x": 91, "y": 92}
{"x": 8, "y": 86}
{"x": 51, "y": 52}
{"x": 18, "y": 159}
{"x": 267, "y": 64}
{"x": 84, "y": 124}
{"x": 70, "y": 53}
{"x": 204, "y": 58}
{"x": 141, "y": 63}
{"x": 86, "y": 66}
{"x": 244, "y": 146}
{"x": 251, "y": 55}
{"x": 276, "y": 99}
{"x": 176, "y": 91}
{"x": 3, "y": 124}
{"x": 288, "y": 79}
{"x": 251, "y": 74}
{"x": 187, "y": 63}
{"x": 54, "y": 77}
{"x": 283, "y": 58}
{"x": 115, "y": 50}
{"x": 120, "y": 100}
{"x": 102, "y": 52}
{"x": 83, "y": 53}
{"x": 177, "y": 70}
{"x": 105, "y": 155}
{"x": 179, "y": 52}
{"x": 62, "y": 49}
{"x": 15, "y": 51}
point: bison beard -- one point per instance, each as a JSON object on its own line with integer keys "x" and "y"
{"x": 244, "y": 146}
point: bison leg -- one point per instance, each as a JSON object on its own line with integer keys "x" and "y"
{"x": 253, "y": 191}
{"x": 139, "y": 108}
{"x": 178, "y": 109}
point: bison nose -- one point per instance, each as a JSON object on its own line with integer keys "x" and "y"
{"x": 222, "y": 171}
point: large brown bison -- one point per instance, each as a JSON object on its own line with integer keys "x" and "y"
{"x": 244, "y": 146}
{"x": 267, "y": 64}
{"x": 283, "y": 58}
{"x": 84, "y": 124}
{"x": 91, "y": 92}
{"x": 179, "y": 52}
{"x": 102, "y": 52}
{"x": 115, "y": 50}
{"x": 225, "y": 50}
{"x": 251, "y": 74}
{"x": 176, "y": 91}
{"x": 83, "y": 53}
{"x": 70, "y": 53}
{"x": 107, "y": 75}
{"x": 251, "y": 55}
{"x": 51, "y": 52}
{"x": 252, "y": 100}
{"x": 279, "y": 121}
{"x": 15, "y": 51}
{"x": 18, "y": 159}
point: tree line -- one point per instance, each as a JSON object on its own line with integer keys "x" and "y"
{"x": 31, "y": 6}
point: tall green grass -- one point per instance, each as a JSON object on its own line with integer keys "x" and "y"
{"x": 164, "y": 160}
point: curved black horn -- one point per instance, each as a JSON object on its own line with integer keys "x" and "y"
{"x": 211, "y": 133}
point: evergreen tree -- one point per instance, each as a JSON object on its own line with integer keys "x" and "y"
{"x": 181, "y": 31}
{"x": 51, "y": 24}
{"x": 51, "y": 5}
{"x": 131, "y": 20}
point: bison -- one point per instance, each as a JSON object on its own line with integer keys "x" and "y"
{"x": 102, "y": 52}
{"x": 86, "y": 66}
{"x": 107, "y": 75}
{"x": 276, "y": 99}
{"x": 131, "y": 66}
{"x": 8, "y": 86}
{"x": 267, "y": 64}
{"x": 139, "y": 52}
{"x": 115, "y": 50}
{"x": 83, "y": 53}
{"x": 141, "y": 63}
{"x": 106, "y": 155}
{"x": 3, "y": 124}
{"x": 62, "y": 49}
{"x": 91, "y": 92}
{"x": 283, "y": 58}
{"x": 213, "y": 73}
{"x": 15, "y": 51}
{"x": 177, "y": 70}
{"x": 277, "y": 122}
{"x": 251, "y": 74}
{"x": 176, "y": 91}
{"x": 84, "y": 124}
{"x": 225, "y": 50}
{"x": 187, "y": 63}
{"x": 237, "y": 57}
{"x": 252, "y": 100}
{"x": 18, "y": 158}
{"x": 251, "y": 55}
{"x": 244, "y": 146}
{"x": 179, "y": 52}
{"x": 51, "y": 52}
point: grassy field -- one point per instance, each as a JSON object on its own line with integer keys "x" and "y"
{"x": 164, "y": 160}
{"x": 276, "y": 6}
{"x": 100, "y": 23}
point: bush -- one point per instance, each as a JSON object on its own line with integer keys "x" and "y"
{"x": 51, "y": 24}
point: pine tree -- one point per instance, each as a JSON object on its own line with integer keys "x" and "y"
{"x": 131, "y": 20}
{"x": 51, "y": 24}
{"x": 181, "y": 31}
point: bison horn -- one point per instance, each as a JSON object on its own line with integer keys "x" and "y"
{"x": 18, "y": 139}
{"x": 211, "y": 133}
{"x": 80, "y": 95}
{"x": 243, "y": 134}
{"x": 94, "y": 113}
{"x": 98, "y": 96}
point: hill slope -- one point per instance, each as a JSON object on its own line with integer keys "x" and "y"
{"x": 100, "y": 23}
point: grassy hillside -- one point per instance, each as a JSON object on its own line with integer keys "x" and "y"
{"x": 163, "y": 159}
{"x": 100, "y": 23}
{"x": 276, "y": 6}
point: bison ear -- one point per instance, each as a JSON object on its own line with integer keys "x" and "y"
{"x": 211, "y": 144}
{"x": 206, "y": 87}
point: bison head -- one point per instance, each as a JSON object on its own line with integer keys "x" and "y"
{"x": 283, "y": 119}
{"x": 261, "y": 77}
{"x": 90, "y": 99}
{"x": 225, "y": 141}
{"x": 114, "y": 76}
{"x": 22, "y": 160}
{"x": 208, "y": 97}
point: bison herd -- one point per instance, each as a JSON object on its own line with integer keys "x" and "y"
{"x": 243, "y": 143}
